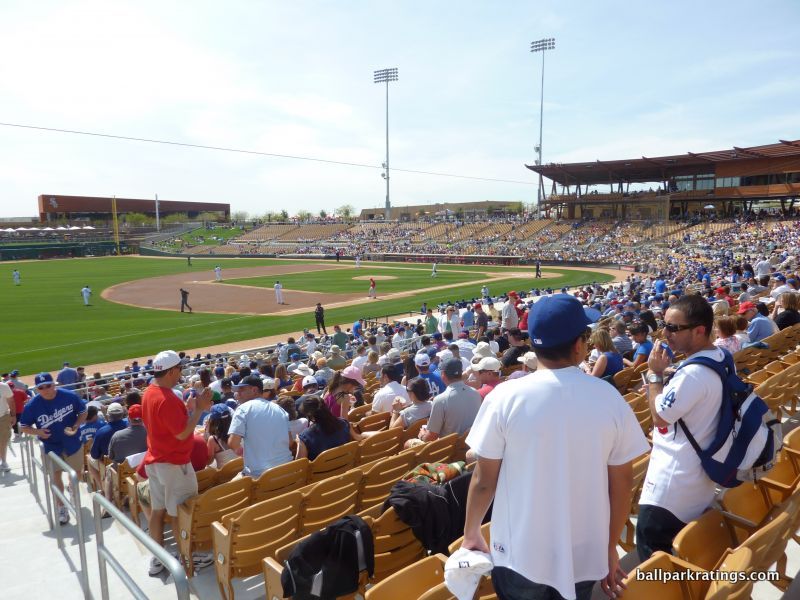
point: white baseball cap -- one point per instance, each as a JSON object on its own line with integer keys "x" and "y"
{"x": 309, "y": 380}
{"x": 422, "y": 360}
{"x": 463, "y": 571}
{"x": 166, "y": 360}
{"x": 488, "y": 363}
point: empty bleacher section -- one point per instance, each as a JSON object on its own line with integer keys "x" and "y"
{"x": 313, "y": 232}
{"x": 269, "y": 232}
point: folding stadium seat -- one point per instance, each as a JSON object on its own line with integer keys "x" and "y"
{"x": 380, "y": 476}
{"x": 380, "y": 445}
{"x": 440, "y": 450}
{"x": 485, "y": 532}
{"x": 376, "y": 422}
{"x": 413, "y": 431}
{"x": 284, "y": 478}
{"x": 196, "y": 515}
{"x": 358, "y": 413}
{"x": 243, "y": 539}
{"x": 119, "y": 473}
{"x": 651, "y": 587}
{"x": 229, "y": 470}
{"x": 333, "y": 462}
{"x": 326, "y": 501}
{"x": 623, "y": 378}
{"x": 639, "y": 472}
{"x": 205, "y": 479}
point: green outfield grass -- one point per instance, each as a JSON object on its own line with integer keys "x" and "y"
{"x": 45, "y": 322}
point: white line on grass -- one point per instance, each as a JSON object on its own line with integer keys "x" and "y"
{"x": 116, "y": 337}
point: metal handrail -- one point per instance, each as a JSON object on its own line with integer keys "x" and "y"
{"x": 104, "y": 554}
{"x": 35, "y": 464}
{"x": 52, "y": 460}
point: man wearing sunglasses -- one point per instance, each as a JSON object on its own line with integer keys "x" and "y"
{"x": 676, "y": 489}
{"x": 54, "y": 415}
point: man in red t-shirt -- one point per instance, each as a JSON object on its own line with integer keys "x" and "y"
{"x": 170, "y": 429}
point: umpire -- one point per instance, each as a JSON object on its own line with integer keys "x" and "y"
{"x": 319, "y": 316}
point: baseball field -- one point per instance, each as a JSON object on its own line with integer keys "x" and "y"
{"x": 135, "y": 303}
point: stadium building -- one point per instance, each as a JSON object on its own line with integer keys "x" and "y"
{"x": 722, "y": 181}
{"x": 54, "y": 208}
{"x": 484, "y": 208}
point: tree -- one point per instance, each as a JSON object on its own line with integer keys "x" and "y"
{"x": 303, "y": 215}
{"x": 138, "y": 219}
{"x": 175, "y": 218}
{"x": 323, "y": 214}
{"x": 284, "y": 215}
{"x": 345, "y": 211}
{"x": 210, "y": 217}
{"x": 240, "y": 216}
{"x": 270, "y": 216}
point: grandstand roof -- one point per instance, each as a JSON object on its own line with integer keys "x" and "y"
{"x": 659, "y": 168}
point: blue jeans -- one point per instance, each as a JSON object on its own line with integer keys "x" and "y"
{"x": 510, "y": 585}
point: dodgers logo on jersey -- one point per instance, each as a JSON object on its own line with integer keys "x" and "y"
{"x": 668, "y": 400}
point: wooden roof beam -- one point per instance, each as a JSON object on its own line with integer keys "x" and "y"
{"x": 788, "y": 143}
{"x": 748, "y": 152}
{"x": 700, "y": 156}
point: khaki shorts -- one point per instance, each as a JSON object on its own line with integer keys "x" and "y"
{"x": 170, "y": 485}
{"x": 5, "y": 429}
{"x": 73, "y": 460}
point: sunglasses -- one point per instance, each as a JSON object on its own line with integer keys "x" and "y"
{"x": 672, "y": 328}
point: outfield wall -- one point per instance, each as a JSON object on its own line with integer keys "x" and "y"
{"x": 45, "y": 251}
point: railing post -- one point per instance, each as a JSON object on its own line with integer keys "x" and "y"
{"x": 53, "y": 460}
{"x": 46, "y": 477}
{"x": 104, "y": 556}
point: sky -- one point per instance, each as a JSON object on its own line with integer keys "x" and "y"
{"x": 626, "y": 79}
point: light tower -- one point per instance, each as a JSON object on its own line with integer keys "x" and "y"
{"x": 385, "y": 76}
{"x": 541, "y": 46}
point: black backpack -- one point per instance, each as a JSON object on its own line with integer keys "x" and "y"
{"x": 327, "y": 564}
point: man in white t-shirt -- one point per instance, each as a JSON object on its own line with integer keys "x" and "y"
{"x": 555, "y": 452}
{"x": 676, "y": 489}
{"x": 391, "y": 375}
{"x": 763, "y": 267}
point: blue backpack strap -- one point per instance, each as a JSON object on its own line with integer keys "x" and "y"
{"x": 723, "y": 369}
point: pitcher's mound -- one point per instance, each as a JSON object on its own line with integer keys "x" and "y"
{"x": 375, "y": 277}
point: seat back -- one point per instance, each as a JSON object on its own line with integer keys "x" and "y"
{"x": 380, "y": 477}
{"x": 118, "y": 476}
{"x": 763, "y": 540}
{"x": 358, "y": 413}
{"x": 705, "y": 540}
{"x": 196, "y": 516}
{"x": 281, "y": 479}
{"x": 333, "y": 462}
{"x": 395, "y": 544}
{"x": 438, "y": 450}
{"x": 329, "y": 500}
{"x": 652, "y": 587}
{"x": 242, "y": 540}
{"x": 377, "y": 422}
{"x": 205, "y": 479}
{"x": 413, "y": 431}
{"x": 738, "y": 561}
{"x": 380, "y": 445}
{"x": 747, "y": 501}
{"x": 229, "y": 470}
{"x": 409, "y": 582}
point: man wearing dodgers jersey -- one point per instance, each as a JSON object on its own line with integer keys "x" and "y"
{"x": 54, "y": 415}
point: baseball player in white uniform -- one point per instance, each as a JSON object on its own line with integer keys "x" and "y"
{"x": 15, "y": 276}
{"x": 278, "y": 292}
{"x": 86, "y": 292}
{"x": 358, "y": 261}
{"x": 433, "y": 270}
{"x": 218, "y": 272}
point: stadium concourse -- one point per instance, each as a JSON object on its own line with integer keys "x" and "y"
{"x": 747, "y": 271}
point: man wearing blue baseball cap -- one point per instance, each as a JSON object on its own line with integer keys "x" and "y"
{"x": 54, "y": 415}
{"x": 569, "y": 429}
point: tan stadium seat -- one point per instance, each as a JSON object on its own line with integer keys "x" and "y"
{"x": 119, "y": 473}
{"x": 229, "y": 470}
{"x": 333, "y": 462}
{"x": 652, "y": 587}
{"x": 133, "y": 500}
{"x": 196, "y": 515}
{"x": 243, "y": 539}
{"x": 205, "y": 479}
{"x": 376, "y": 422}
{"x": 410, "y": 582}
{"x": 413, "y": 431}
{"x": 440, "y": 450}
{"x": 639, "y": 472}
{"x": 380, "y": 445}
{"x": 358, "y": 413}
{"x": 330, "y": 499}
{"x": 485, "y": 533}
{"x": 623, "y": 378}
{"x": 395, "y": 544}
{"x": 380, "y": 476}
{"x": 281, "y": 479}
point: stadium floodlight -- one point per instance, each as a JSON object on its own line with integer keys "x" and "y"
{"x": 385, "y": 76}
{"x": 541, "y": 46}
